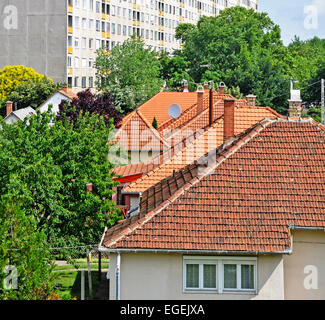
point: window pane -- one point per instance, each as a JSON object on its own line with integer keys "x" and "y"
{"x": 230, "y": 276}
{"x": 209, "y": 276}
{"x": 247, "y": 277}
{"x": 192, "y": 276}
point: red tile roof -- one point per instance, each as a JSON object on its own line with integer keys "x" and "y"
{"x": 245, "y": 117}
{"x": 136, "y": 133}
{"x": 68, "y": 94}
{"x": 267, "y": 179}
{"x": 157, "y": 107}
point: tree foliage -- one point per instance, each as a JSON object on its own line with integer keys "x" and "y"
{"x": 11, "y": 77}
{"x": 101, "y": 104}
{"x": 240, "y": 47}
{"x": 23, "y": 247}
{"x": 34, "y": 93}
{"x": 49, "y": 167}
{"x": 130, "y": 72}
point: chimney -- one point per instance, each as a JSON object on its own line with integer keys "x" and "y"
{"x": 211, "y": 107}
{"x": 200, "y": 96}
{"x": 8, "y": 107}
{"x": 206, "y": 86}
{"x": 295, "y": 106}
{"x": 185, "y": 86}
{"x": 222, "y": 87}
{"x": 89, "y": 187}
{"x": 251, "y": 100}
{"x": 229, "y": 119}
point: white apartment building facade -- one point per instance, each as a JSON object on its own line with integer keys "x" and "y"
{"x": 93, "y": 24}
{"x": 60, "y": 38}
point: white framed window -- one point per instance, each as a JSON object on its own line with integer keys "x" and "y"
{"x": 219, "y": 274}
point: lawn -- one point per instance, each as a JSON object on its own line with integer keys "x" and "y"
{"x": 69, "y": 284}
{"x": 68, "y": 278}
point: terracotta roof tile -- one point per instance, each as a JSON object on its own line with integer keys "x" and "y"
{"x": 269, "y": 178}
{"x": 157, "y": 107}
{"x": 68, "y": 94}
{"x": 136, "y": 133}
{"x": 200, "y": 144}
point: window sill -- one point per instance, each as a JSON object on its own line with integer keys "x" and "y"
{"x": 205, "y": 291}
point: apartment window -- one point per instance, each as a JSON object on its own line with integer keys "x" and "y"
{"x": 220, "y": 274}
{"x": 91, "y": 43}
{"x": 70, "y": 82}
{"x": 70, "y": 41}
{"x": 77, "y": 3}
{"x": 69, "y": 61}
{"x": 83, "y": 82}
{"x": 98, "y": 25}
{"x": 91, "y": 5}
{"x": 76, "y": 81}
{"x": 91, "y": 62}
{"x": 97, "y": 44}
{"x": 76, "y": 22}
{"x": 84, "y": 23}
{"x": 91, "y": 24}
{"x": 119, "y": 29}
{"x": 76, "y": 42}
{"x": 76, "y": 62}
{"x": 84, "y": 43}
{"x": 113, "y": 28}
{"x": 84, "y": 63}
{"x": 97, "y": 6}
{"x": 84, "y": 4}
{"x": 91, "y": 82}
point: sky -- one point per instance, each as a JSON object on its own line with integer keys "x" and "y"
{"x": 304, "y": 18}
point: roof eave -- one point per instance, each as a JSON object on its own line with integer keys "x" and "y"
{"x": 183, "y": 251}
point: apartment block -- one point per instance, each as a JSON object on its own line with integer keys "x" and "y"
{"x": 60, "y": 38}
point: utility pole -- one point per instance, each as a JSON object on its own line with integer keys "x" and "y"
{"x": 323, "y": 100}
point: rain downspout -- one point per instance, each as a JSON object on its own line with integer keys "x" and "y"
{"x": 118, "y": 282}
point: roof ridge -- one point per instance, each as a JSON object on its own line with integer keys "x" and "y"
{"x": 223, "y": 153}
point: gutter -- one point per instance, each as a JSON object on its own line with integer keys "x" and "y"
{"x": 118, "y": 251}
{"x": 293, "y": 227}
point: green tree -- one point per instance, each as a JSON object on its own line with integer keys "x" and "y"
{"x": 242, "y": 48}
{"x": 24, "y": 247}
{"x": 130, "y": 72}
{"x": 34, "y": 93}
{"x": 11, "y": 77}
{"x": 155, "y": 123}
{"x": 174, "y": 71}
{"x": 52, "y": 165}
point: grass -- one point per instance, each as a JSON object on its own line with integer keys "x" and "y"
{"x": 68, "y": 278}
{"x": 69, "y": 284}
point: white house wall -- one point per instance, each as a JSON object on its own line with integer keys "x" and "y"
{"x": 147, "y": 276}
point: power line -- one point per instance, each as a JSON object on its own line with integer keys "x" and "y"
{"x": 310, "y": 85}
{"x": 57, "y": 248}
